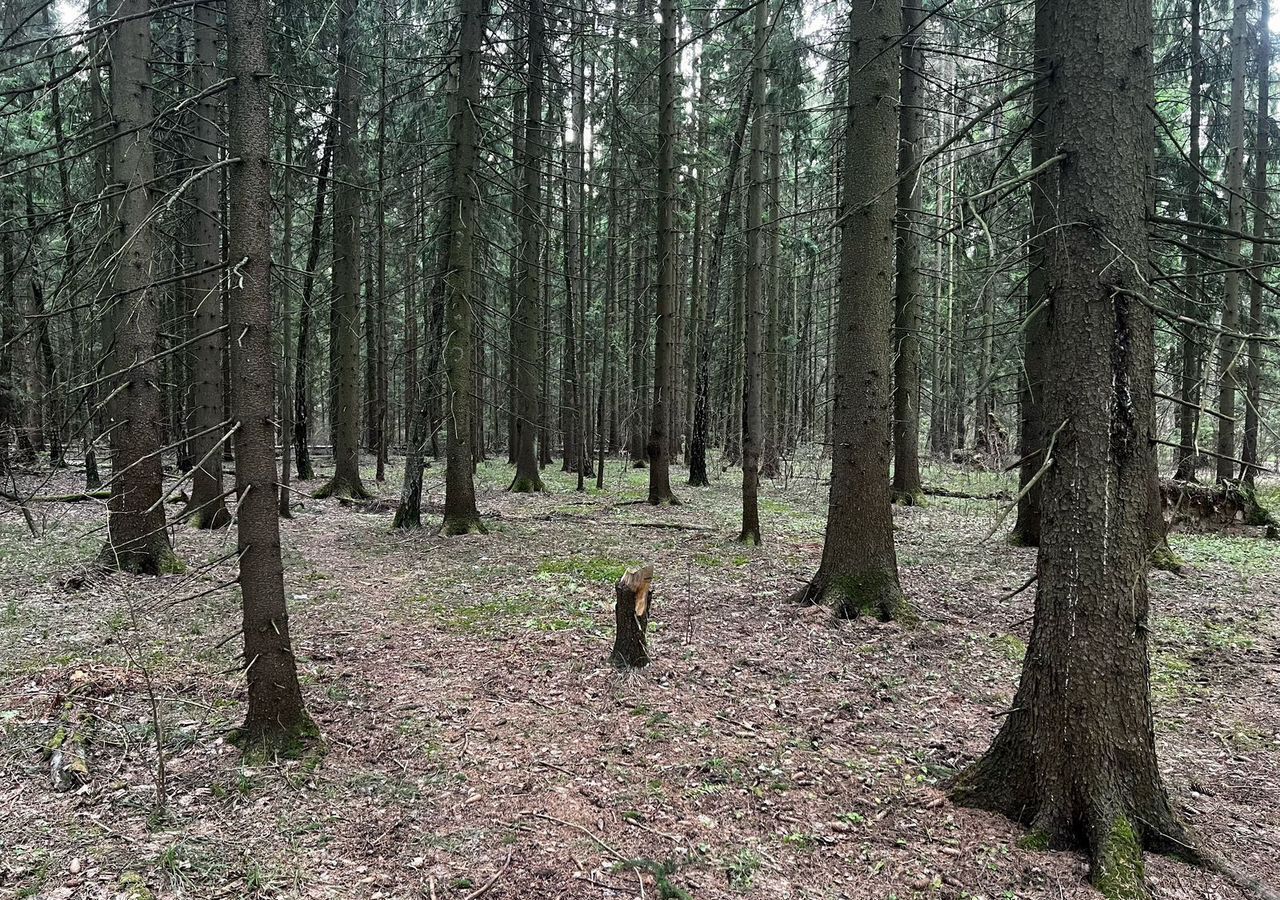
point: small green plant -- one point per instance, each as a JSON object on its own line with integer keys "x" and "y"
{"x": 741, "y": 868}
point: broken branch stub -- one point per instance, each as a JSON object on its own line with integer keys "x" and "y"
{"x": 634, "y": 593}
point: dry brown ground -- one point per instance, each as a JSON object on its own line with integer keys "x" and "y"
{"x": 471, "y": 727}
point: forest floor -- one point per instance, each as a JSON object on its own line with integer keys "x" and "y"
{"x": 476, "y": 741}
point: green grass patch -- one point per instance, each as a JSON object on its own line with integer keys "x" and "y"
{"x": 596, "y": 569}
{"x": 545, "y": 609}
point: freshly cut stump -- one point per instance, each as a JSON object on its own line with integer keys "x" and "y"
{"x": 634, "y": 595}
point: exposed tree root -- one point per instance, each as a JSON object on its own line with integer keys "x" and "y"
{"x": 343, "y": 488}
{"x": 1109, "y": 831}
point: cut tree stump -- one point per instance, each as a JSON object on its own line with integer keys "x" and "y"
{"x": 634, "y": 599}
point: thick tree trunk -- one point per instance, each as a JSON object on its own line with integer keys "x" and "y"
{"x": 1075, "y": 757}
{"x": 528, "y": 314}
{"x": 907, "y": 488}
{"x": 136, "y": 537}
{"x": 276, "y": 719}
{"x": 345, "y": 322}
{"x": 460, "y": 513}
{"x": 859, "y": 569}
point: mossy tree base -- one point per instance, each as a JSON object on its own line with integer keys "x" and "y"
{"x": 1164, "y": 559}
{"x": 908, "y": 498}
{"x": 348, "y": 488}
{"x": 460, "y": 525}
{"x": 1109, "y": 830}
{"x": 154, "y": 557}
{"x": 260, "y": 744}
{"x": 849, "y": 596}
{"x": 527, "y": 484}
{"x": 210, "y": 519}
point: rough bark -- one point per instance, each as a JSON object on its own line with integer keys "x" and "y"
{"x": 859, "y": 570}
{"x": 634, "y": 599}
{"x": 1191, "y": 359}
{"x": 136, "y": 537}
{"x": 460, "y": 513}
{"x": 276, "y": 719}
{"x": 1036, "y": 335}
{"x": 528, "y": 315}
{"x": 1075, "y": 757}
{"x": 207, "y": 507}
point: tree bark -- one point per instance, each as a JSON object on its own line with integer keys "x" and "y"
{"x": 276, "y": 719}
{"x": 665, "y": 325}
{"x": 859, "y": 569}
{"x": 752, "y": 402}
{"x": 906, "y": 370}
{"x": 1037, "y": 336}
{"x": 528, "y": 314}
{"x": 301, "y": 402}
{"x": 1253, "y": 394}
{"x": 634, "y": 597}
{"x": 1191, "y": 357}
{"x": 136, "y": 537}
{"x": 1075, "y": 757}
{"x": 207, "y": 507}
{"x": 345, "y": 322}
{"x": 1228, "y": 345}
{"x": 460, "y": 513}
{"x": 700, "y": 438}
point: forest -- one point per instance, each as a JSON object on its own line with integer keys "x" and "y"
{"x": 458, "y": 449}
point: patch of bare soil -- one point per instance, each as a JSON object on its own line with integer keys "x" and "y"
{"x": 476, "y": 743}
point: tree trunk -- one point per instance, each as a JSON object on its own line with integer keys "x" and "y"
{"x": 700, "y": 438}
{"x": 906, "y": 371}
{"x": 1253, "y": 396}
{"x": 301, "y": 403}
{"x": 460, "y": 513}
{"x": 859, "y": 569}
{"x": 1075, "y": 757}
{"x": 345, "y": 322}
{"x": 1037, "y": 334}
{"x": 206, "y": 508}
{"x": 136, "y": 537}
{"x": 1191, "y": 357}
{"x": 286, "y": 316}
{"x": 752, "y": 402}
{"x": 528, "y": 318}
{"x": 1228, "y": 345}
{"x": 665, "y": 329}
{"x": 276, "y": 719}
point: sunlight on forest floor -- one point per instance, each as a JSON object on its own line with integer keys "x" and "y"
{"x": 468, "y": 713}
